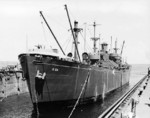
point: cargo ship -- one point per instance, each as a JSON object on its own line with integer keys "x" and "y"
{"x": 58, "y": 79}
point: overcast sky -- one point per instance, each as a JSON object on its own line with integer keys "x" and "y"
{"x": 129, "y": 20}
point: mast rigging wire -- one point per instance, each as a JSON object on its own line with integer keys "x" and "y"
{"x": 67, "y": 44}
{"x": 89, "y": 48}
{"x": 67, "y": 39}
{"x": 85, "y": 83}
{"x": 45, "y": 38}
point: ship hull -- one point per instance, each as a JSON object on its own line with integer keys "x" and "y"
{"x": 58, "y": 81}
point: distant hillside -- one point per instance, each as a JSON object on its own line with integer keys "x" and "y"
{"x": 5, "y": 63}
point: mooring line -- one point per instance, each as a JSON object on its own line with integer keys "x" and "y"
{"x": 80, "y": 94}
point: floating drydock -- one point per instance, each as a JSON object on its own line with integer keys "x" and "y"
{"x": 60, "y": 79}
{"x": 11, "y": 81}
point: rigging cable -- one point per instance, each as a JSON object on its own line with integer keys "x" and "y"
{"x": 85, "y": 83}
{"x": 67, "y": 44}
{"x": 89, "y": 32}
{"x": 45, "y": 38}
{"x": 66, "y": 41}
{"x": 89, "y": 48}
{"x": 72, "y": 47}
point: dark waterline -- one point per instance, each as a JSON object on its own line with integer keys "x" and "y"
{"x": 20, "y": 106}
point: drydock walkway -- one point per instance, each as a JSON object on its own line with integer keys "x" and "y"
{"x": 139, "y": 105}
{"x": 143, "y": 107}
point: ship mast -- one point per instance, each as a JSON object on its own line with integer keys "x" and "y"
{"x": 122, "y": 47}
{"x": 111, "y": 45}
{"x": 76, "y": 30}
{"x": 116, "y": 46}
{"x": 94, "y": 38}
{"x": 84, "y": 37}
{"x": 99, "y": 41}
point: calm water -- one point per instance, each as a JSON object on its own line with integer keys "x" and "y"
{"x": 21, "y": 106}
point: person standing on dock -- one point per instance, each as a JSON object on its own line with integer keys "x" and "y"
{"x": 17, "y": 77}
{"x": 134, "y": 102}
{"x": 140, "y": 91}
{"x": 5, "y": 86}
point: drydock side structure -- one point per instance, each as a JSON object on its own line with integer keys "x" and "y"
{"x": 12, "y": 81}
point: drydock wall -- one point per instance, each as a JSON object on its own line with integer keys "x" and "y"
{"x": 12, "y": 84}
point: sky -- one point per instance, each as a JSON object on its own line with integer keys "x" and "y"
{"x": 22, "y": 27}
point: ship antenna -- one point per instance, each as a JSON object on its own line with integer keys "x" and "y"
{"x": 122, "y": 47}
{"x": 85, "y": 36}
{"x": 52, "y": 32}
{"x": 99, "y": 41}
{"x": 95, "y": 38}
{"x": 111, "y": 45}
{"x": 73, "y": 33}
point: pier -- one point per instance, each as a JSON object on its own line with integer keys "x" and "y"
{"x": 143, "y": 107}
{"x": 12, "y": 83}
{"x": 134, "y": 104}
